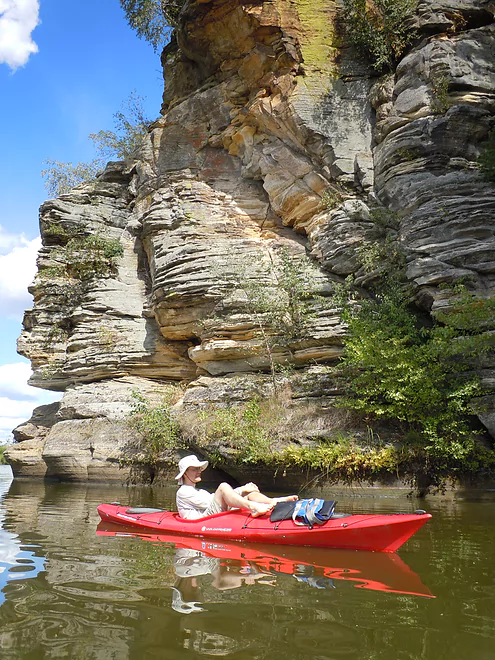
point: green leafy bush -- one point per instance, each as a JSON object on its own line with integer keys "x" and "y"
{"x": 440, "y": 83}
{"x": 157, "y": 431}
{"x": 60, "y": 177}
{"x": 379, "y": 29}
{"x": 131, "y": 126}
{"x": 343, "y": 460}
{"x": 83, "y": 256}
{"x": 87, "y": 257}
{"x": 147, "y": 19}
{"x": 421, "y": 375}
{"x": 239, "y": 428}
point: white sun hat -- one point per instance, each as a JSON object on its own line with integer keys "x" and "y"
{"x": 190, "y": 461}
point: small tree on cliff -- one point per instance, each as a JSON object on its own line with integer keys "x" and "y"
{"x": 152, "y": 19}
{"x": 130, "y": 125}
{"x": 280, "y": 293}
{"x": 379, "y": 29}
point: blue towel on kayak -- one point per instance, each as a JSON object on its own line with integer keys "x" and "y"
{"x": 314, "y": 511}
{"x": 304, "y": 512}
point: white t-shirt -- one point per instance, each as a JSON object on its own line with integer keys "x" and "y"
{"x": 192, "y": 502}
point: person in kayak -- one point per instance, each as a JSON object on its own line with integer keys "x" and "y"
{"x": 193, "y": 503}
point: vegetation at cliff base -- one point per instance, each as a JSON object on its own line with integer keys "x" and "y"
{"x": 156, "y": 431}
{"x": 379, "y": 29}
{"x": 399, "y": 369}
{"x": 420, "y": 374}
{"x": 279, "y": 433}
{"x": 243, "y": 431}
{"x": 276, "y": 432}
{"x": 130, "y": 128}
{"x": 3, "y": 448}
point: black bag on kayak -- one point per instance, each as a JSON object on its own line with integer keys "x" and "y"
{"x": 282, "y": 511}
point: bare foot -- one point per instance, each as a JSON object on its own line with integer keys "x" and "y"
{"x": 258, "y": 509}
{"x": 288, "y": 498}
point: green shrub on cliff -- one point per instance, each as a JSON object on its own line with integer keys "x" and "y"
{"x": 243, "y": 430}
{"x": 131, "y": 126}
{"x": 147, "y": 19}
{"x": 91, "y": 256}
{"x": 60, "y": 177}
{"x": 379, "y": 29}
{"x": 421, "y": 375}
{"x": 156, "y": 430}
{"x": 342, "y": 459}
{"x": 81, "y": 256}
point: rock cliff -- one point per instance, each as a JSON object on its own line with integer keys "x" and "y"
{"x": 273, "y": 134}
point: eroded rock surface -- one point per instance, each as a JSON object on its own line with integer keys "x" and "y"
{"x": 273, "y": 135}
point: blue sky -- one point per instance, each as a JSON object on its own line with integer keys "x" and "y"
{"x": 66, "y": 66}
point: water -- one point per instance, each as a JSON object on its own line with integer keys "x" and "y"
{"x": 70, "y": 590}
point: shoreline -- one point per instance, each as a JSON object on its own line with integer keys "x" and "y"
{"x": 325, "y": 491}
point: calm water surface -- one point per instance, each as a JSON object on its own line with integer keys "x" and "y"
{"x": 72, "y": 589}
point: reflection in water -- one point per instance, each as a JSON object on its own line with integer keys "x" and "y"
{"x": 190, "y": 564}
{"x": 123, "y": 597}
{"x": 234, "y": 565}
{"x": 203, "y": 568}
{"x": 17, "y": 561}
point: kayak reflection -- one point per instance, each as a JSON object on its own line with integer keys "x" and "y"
{"x": 233, "y": 565}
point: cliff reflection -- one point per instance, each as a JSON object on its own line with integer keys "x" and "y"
{"x": 17, "y": 561}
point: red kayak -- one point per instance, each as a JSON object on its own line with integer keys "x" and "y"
{"x": 376, "y": 532}
{"x": 364, "y": 570}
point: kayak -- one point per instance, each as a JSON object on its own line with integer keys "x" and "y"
{"x": 318, "y": 567}
{"x": 376, "y": 532}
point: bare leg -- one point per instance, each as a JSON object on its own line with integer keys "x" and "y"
{"x": 226, "y": 496}
{"x": 264, "y": 499}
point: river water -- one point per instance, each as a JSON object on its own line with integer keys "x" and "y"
{"x": 71, "y": 588}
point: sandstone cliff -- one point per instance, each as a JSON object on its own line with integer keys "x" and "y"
{"x": 273, "y": 133}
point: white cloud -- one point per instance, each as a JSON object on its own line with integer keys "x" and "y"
{"x": 8, "y": 241}
{"x": 18, "y": 18}
{"x": 17, "y": 398}
{"x": 17, "y": 271}
{"x": 13, "y": 381}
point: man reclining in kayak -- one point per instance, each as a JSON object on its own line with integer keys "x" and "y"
{"x": 193, "y": 503}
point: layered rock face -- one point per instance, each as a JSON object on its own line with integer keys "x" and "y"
{"x": 273, "y": 135}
